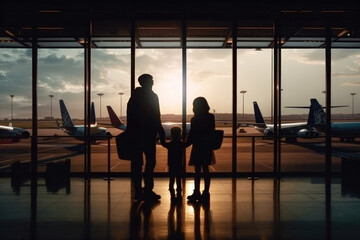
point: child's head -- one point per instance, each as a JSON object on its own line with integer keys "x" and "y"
{"x": 175, "y": 132}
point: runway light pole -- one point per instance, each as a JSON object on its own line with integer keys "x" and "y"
{"x": 51, "y": 97}
{"x": 12, "y": 97}
{"x": 352, "y": 95}
{"x": 121, "y": 94}
{"x": 100, "y": 95}
{"x": 243, "y": 93}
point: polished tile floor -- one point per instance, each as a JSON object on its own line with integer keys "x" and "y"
{"x": 292, "y": 208}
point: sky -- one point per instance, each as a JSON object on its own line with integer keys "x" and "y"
{"x": 209, "y": 74}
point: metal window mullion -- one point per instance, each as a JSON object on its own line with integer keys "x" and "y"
{"x": 132, "y": 57}
{"x": 275, "y": 90}
{"x": 234, "y": 98}
{"x": 184, "y": 83}
{"x": 87, "y": 108}
{"x": 279, "y": 110}
{"x": 328, "y": 101}
{"x": 34, "y": 139}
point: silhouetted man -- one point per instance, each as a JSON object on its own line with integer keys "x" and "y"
{"x": 143, "y": 119}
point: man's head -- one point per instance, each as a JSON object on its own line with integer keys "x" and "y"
{"x": 146, "y": 80}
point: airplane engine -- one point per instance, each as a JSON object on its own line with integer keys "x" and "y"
{"x": 306, "y": 133}
{"x": 268, "y": 132}
{"x": 24, "y": 134}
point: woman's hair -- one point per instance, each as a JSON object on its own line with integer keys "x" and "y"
{"x": 200, "y": 105}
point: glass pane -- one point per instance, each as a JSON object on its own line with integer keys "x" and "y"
{"x": 16, "y": 112}
{"x": 60, "y": 79}
{"x": 254, "y": 85}
{"x": 345, "y": 112}
{"x": 165, "y": 67}
{"x": 110, "y": 86}
{"x": 210, "y": 76}
{"x": 303, "y": 78}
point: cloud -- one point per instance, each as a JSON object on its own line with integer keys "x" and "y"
{"x": 305, "y": 56}
{"x": 61, "y": 73}
{"x": 15, "y": 78}
{"x": 342, "y": 54}
{"x": 351, "y": 84}
{"x": 317, "y": 56}
{"x": 206, "y": 65}
{"x": 351, "y": 69}
{"x": 346, "y": 74}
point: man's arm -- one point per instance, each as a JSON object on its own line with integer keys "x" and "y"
{"x": 159, "y": 127}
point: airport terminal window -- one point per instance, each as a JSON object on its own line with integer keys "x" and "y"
{"x": 344, "y": 99}
{"x": 60, "y": 78}
{"x": 303, "y": 78}
{"x": 110, "y": 87}
{"x": 209, "y": 74}
{"x": 166, "y": 68}
{"x": 15, "y": 105}
{"x": 15, "y": 76}
{"x": 254, "y": 84}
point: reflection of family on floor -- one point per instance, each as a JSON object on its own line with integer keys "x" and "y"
{"x": 142, "y": 221}
{"x": 143, "y": 121}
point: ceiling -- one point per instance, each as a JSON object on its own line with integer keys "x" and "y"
{"x": 159, "y": 24}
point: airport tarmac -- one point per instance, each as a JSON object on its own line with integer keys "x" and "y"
{"x": 305, "y": 156}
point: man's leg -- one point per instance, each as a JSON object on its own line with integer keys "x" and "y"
{"x": 136, "y": 168}
{"x": 150, "y": 153}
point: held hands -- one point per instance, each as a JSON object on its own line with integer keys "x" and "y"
{"x": 163, "y": 142}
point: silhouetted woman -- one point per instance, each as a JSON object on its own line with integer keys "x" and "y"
{"x": 202, "y": 124}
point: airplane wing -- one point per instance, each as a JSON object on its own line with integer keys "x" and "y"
{"x": 338, "y": 106}
{"x": 252, "y": 124}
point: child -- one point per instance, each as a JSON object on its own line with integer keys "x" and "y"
{"x": 202, "y": 155}
{"x": 176, "y": 149}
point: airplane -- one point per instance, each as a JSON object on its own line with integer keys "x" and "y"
{"x": 116, "y": 122}
{"x": 346, "y": 131}
{"x": 10, "y": 134}
{"x": 291, "y": 131}
{"x": 78, "y": 131}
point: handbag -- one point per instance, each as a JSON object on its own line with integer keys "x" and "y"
{"x": 126, "y": 145}
{"x": 216, "y": 139}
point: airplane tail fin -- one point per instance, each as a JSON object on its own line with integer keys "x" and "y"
{"x": 92, "y": 114}
{"x": 258, "y": 116}
{"x": 317, "y": 112}
{"x": 67, "y": 122}
{"x": 115, "y": 120}
{"x": 311, "y": 118}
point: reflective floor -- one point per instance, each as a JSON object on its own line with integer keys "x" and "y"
{"x": 292, "y": 208}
